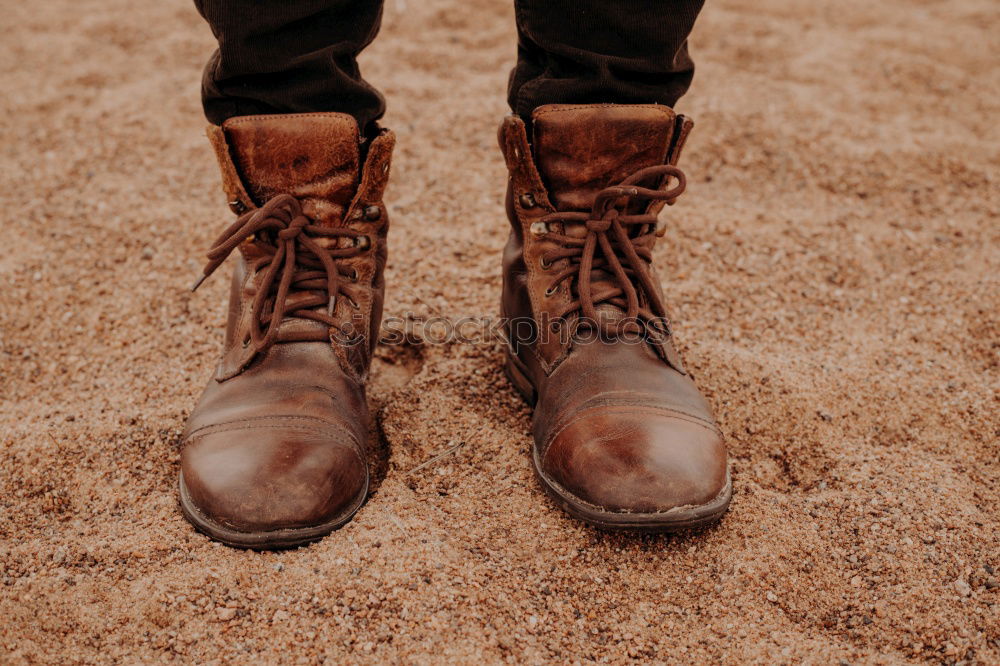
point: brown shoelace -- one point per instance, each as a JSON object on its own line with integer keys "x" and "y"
{"x": 625, "y": 242}
{"x": 303, "y": 253}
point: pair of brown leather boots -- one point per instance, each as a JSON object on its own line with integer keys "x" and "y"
{"x": 274, "y": 453}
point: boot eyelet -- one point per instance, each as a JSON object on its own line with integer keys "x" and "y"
{"x": 237, "y": 206}
{"x": 527, "y": 200}
{"x": 246, "y": 342}
{"x": 372, "y": 213}
{"x": 353, "y": 277}
{"x": 362, "y": 242}
{"x": 539, "y": 229}
{"x": 551, "y": 290}
{"x": 544, "y": 264}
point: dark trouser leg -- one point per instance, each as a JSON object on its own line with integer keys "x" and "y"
{"x": 287, "y": 56}
{"x": 594, "y": 51}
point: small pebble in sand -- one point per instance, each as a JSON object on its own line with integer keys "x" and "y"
{"x": 962, "y": 587}
{"x": 225, "y": 614}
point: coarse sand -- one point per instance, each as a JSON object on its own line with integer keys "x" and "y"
{"x": 833, "y": 276}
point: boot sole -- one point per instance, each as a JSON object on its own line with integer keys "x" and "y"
{"x": 268, "y": 540}
{"x": 673, "y": 520}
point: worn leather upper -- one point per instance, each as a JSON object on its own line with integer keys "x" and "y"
{"x": 277, "y": 440}
{"x": 580, "y": 150}
{"x": 271, "y": 158}
{"x": 618, "y": 424}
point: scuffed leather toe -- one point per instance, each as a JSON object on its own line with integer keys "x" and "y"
{"x": 272, "y": 476}
{"x": 637, "y": 460}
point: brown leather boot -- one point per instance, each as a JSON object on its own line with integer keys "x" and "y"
{"x": 623, "y": 438}
{"x": 274, "y": 453}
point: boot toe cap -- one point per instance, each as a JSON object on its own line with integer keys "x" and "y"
{"x": 267, "y": 479}
{"x": 638, "y": 461}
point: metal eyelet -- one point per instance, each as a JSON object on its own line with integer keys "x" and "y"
{"x": 362, "y": 242}
{"x": 527, "y": 200}
{"x": 539, "y": 229}
{"x": 544, "y": 264}
{"x": 237, "y": 206}
{"x": 246, "y": 342}
{"x": 354, "y": 275}
{"x": 551, "y": 290}
{"x": 372, "y": 213}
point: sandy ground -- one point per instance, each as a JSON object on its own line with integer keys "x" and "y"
{"x": 833, "y": 270}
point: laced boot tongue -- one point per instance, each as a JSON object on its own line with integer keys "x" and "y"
{"x": 301, "y": 169}
{"x": 581, "y": 149}
{"x": 313, "y": 157}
